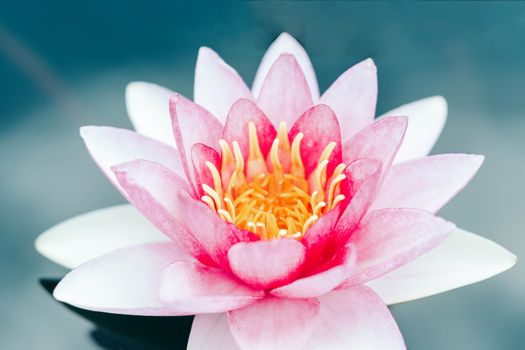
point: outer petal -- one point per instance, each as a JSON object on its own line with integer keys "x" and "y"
{"x": 236, "y": 126}
{"x": 125, "y": 281}
{"x": 198, "y": 289}
{"x": 192, "y": 124}
{"x": 353, "y": 98}
{"x": 90, "y": 235}
{"x": 427, "y": 183}
{"x": 285, "y": 43}
{"x": 355, "y": 318}
{"x": 153, "y": 189}
{"x": 110, "y": 146}
{"x": 390, "y": 238}
{"x": 211, "y": 331}
{"x": 148, "y": 109}
{"x": 217, "y": 85}
{"x": 320, "y": 283}
{"x": 273, "y": 323}
{"x": 320, "y": 127}
{"x": 463, "y": 258}
{"x": 266, "y": 264}
{"x": 426, "y": 120}
{"x": 380, "y": 140}
{"x": 285, "y": 94}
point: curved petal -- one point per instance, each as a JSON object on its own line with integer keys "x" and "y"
{"x": 267, "y": 264}
{"x": 110, "y": 146}
{"x": 285, "y": 94}
{"x": 148, "y": 109}
{"x": 90, "y": 235}
{"x": 192, "y": 124}
{"x": 236, "y": 126}
{"x": 274, "y": 323}
{"x": 211, "y": 331}
{"x": 320, "y": 127}
{"x": 200, "y": 155}
{"x": 190, "y": 286}
{"x": 380, "y": 140}
{"x": 355, "y": 318}
{"x": 125, "y": 281}
{"x": 426, "y": 120}
{"x": 217, "y": 85}
{"x": 390, "y": 238}
{"x": 463, "y": 258}
{"x": 320, "y": 283}
{"x": 353, "y": 97}
{"x": 286, "y": 43}
{"x": 426, "y": 183}
{"x": 153, "y": 189}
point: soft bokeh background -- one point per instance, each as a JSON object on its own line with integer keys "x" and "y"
{"x": 65, "y": 64}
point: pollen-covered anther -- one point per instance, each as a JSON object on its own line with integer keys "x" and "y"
{"x": 271, "y": 196}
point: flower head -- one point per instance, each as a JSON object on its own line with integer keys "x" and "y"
{"x": 279, "y": 206}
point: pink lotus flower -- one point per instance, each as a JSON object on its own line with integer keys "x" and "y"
{"x": 292, "y": 219}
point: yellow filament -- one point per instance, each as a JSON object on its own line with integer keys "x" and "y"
{"x": 275, "y": 203}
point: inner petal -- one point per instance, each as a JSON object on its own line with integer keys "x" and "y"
{"x": 270, "y": 195}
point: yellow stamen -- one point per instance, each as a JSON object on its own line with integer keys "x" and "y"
{"x": 271, "y": 196}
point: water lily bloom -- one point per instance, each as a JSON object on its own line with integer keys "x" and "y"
{"x": 282, "y": 219}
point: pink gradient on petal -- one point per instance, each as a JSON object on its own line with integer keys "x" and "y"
{"x": 355, "y": 318}
{"x": 390, "y": 238}
{"x": 322, "y": 282}
{"x": 274, "y": 323}
{"x": 110, "y": 146}
{"x": 211, "y": 331}
{"x": 236, "y": 126}
{"x": 353, "y": 98}
{"x": 191, "y": 286}
{"x": 125, "y": 281}
{"x": 380, "y": 140}
{"x": 285, "y": 94}
{"x": 267, "y": 264}
{"x": 320, "y": 127}
{"x": 217, "y": 85}
{"x": 192, "y": 124}
{"x": 152, "y": 189}
{"x": 427, "y": 183}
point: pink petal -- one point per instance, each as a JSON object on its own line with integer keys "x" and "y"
{"x": 217, "y": 85}
{"x": 267, "y": 264}
{"x": 236, "y": 126}
{"x": 148, "y": 109}
{"x": 110, "y": 146}
{"x": 273, "y": 323}
{"x": 153, "y": 190}
{"x": 381, "y": 140}
{"x": 285, "y": 43}
{"x": 355, "y": 318}
{"x": 426, "y": 121}
{"x": 353, "y": 98}
{"x": 125, "y": 281}
{"x": 320, "y": 283}
{"x": 320, "y": 127}
{"x": 427, "y": 183}
{"x": 285, "y": 94}
{"x": 200, "y": 154}
{"x": 363, "y": 179}
{"x": 211, "y": 331}
{"x": 193, "y": 287}
{"x": 390, "y": 238}
{"x": 192, "y": 124}
{"x": 215, "y": 235}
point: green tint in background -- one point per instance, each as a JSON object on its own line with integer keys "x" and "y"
{"x": 64, "y": 65}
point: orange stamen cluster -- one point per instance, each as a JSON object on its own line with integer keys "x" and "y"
{"x": 272, "y": 197}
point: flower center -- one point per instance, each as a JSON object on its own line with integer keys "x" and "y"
{"x": 272, "y": 197}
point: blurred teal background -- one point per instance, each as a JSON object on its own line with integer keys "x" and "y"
{"x": 66, "y": 64}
